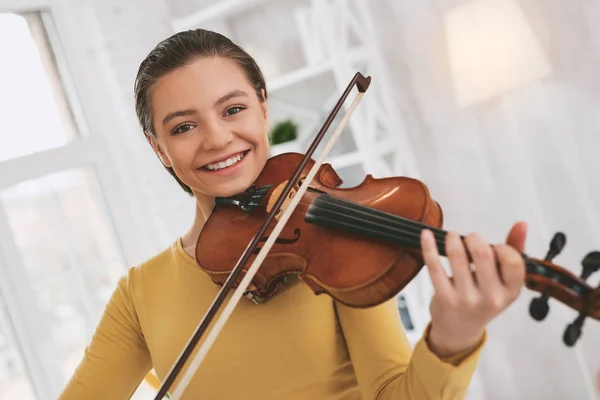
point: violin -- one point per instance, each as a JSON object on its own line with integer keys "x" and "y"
{"x": 359, "y": 245}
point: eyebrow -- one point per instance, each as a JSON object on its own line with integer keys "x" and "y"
{"x": 175, "y": 114}
{"x": 222, "y": 99}
{"x": 231, "y": 95}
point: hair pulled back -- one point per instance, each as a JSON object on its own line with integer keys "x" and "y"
{"x": 177, "y": 51}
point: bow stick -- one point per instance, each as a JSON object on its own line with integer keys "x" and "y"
{"x": 362, "y": 83}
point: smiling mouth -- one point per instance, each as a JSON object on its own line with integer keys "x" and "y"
{"x": 224, "y": 164}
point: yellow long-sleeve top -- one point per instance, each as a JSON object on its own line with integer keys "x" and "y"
{"x": 296, "y": 346}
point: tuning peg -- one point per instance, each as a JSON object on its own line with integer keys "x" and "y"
{"x": 573, "y": 331}
{"x": 556, "y": 245}
{"x": 591, "y": 264}
{"x": 538, "y": 309}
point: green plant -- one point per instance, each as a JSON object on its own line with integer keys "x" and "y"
{"x": 283, "y": 131}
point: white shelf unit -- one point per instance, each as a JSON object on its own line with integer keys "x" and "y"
{"x": 309, "y": 51}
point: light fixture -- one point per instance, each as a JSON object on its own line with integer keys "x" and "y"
{"x": 492, "y": 49}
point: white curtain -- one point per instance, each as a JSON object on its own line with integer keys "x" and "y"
{"x": 530, "y": 153}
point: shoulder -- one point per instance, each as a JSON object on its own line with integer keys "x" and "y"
{"x": 166, "y": 262}
{"x": 158, "y": 269}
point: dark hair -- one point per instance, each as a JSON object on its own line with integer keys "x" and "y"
{"x": 177, "y": 51}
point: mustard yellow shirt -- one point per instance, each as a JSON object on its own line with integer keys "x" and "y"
{"x": 296, "y": 346}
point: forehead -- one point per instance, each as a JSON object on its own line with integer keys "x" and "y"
{"x": 202, "y": 82}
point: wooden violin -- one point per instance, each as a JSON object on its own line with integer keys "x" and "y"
{"x": 359, "y": 245}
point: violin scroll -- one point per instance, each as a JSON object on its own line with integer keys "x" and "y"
{"x": 539, "y": 307}
{"x": 553, "y": 281}
{"x": 591, "y": 264}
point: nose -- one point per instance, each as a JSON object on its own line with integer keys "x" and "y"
{"x": 216, "y": 137}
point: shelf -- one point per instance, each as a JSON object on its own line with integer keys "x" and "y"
{"x": 338, "y": 162}
{"x": 219, "y": 10}
{"x": 297, "y": 76}
{"x": 311, "y": 71}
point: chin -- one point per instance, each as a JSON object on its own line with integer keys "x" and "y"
{"x": 228, "y": 192}
{"x": 230, "y": 188}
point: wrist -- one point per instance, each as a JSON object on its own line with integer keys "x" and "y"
{"x": 445, "y": 346}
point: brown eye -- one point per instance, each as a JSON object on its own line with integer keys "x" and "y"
{"x": 234, "y": 110}
{"x": 182, "y": 128}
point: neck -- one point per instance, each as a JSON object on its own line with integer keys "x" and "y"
{"x": 204, "y": 206}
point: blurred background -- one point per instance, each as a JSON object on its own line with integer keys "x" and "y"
{"x": 492, "y": 103}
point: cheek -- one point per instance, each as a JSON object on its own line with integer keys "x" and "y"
{"x": 258, "y": 134}
{"x": 262, "y": 144}
{"x": 180, "y": 154}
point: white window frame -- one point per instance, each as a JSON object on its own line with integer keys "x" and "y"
{"x": 104, "y": 145}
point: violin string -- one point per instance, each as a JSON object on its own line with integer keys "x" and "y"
{"x": 391, "y": 228}
{"x": 408, "y": 239}
{"x": 381, "y": 215}
{"x": 358, "y": 219}
{"x": 372, "y": 212}
{"x": 386, "y": 217}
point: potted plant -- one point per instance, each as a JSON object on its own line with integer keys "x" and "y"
{"x": 283, "y": 138}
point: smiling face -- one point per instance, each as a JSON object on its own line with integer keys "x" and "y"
{"x": 210, "y": 126}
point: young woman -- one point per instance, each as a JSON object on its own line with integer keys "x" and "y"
{"x": 202, "y": 104}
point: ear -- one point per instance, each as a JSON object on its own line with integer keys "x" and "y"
{"x": 265, "y": 108}
{"x": 264, "y": 105}
{"x": 157, "y": 149}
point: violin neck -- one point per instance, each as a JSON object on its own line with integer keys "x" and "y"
{"x": 336, "y": 213}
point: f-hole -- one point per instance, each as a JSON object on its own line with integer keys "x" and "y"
{"x": 281, "y": 240}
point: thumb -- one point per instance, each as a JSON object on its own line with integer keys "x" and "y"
{"x": 517, "y": 235}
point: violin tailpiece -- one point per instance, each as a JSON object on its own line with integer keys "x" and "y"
{"x": 246, "y": 201}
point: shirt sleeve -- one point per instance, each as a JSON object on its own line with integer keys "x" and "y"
{"x": 117, "y": 359}
{"x": 388, "y": 368}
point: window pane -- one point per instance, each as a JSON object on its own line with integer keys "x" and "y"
{"x": 14, "y": 383}
{"x": 70, "y": 253}
{"x": 34, "y": 110}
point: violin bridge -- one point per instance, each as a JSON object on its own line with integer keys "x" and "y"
{"x": 275, "y": 195}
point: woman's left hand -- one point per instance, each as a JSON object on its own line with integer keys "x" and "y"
{"x": 463, "y": 305}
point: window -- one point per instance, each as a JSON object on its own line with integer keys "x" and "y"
{"x": 14, "y": 380}
{"x": 62, "y": 248}
{"x": 35, "y": 111}
{"x": 69, "y": 255}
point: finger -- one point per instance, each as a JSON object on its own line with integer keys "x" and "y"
{"x": 512, "y": 270}
{"x": 431, "y": 257}
{"x": 459, "y": 263}
{"x": 517, "y": 235}
{"x": 486, "y": 270}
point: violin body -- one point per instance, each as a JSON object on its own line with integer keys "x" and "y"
{"x": 355, "y": 269}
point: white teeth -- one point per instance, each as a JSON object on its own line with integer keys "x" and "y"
{"x": 227, "y": 163}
